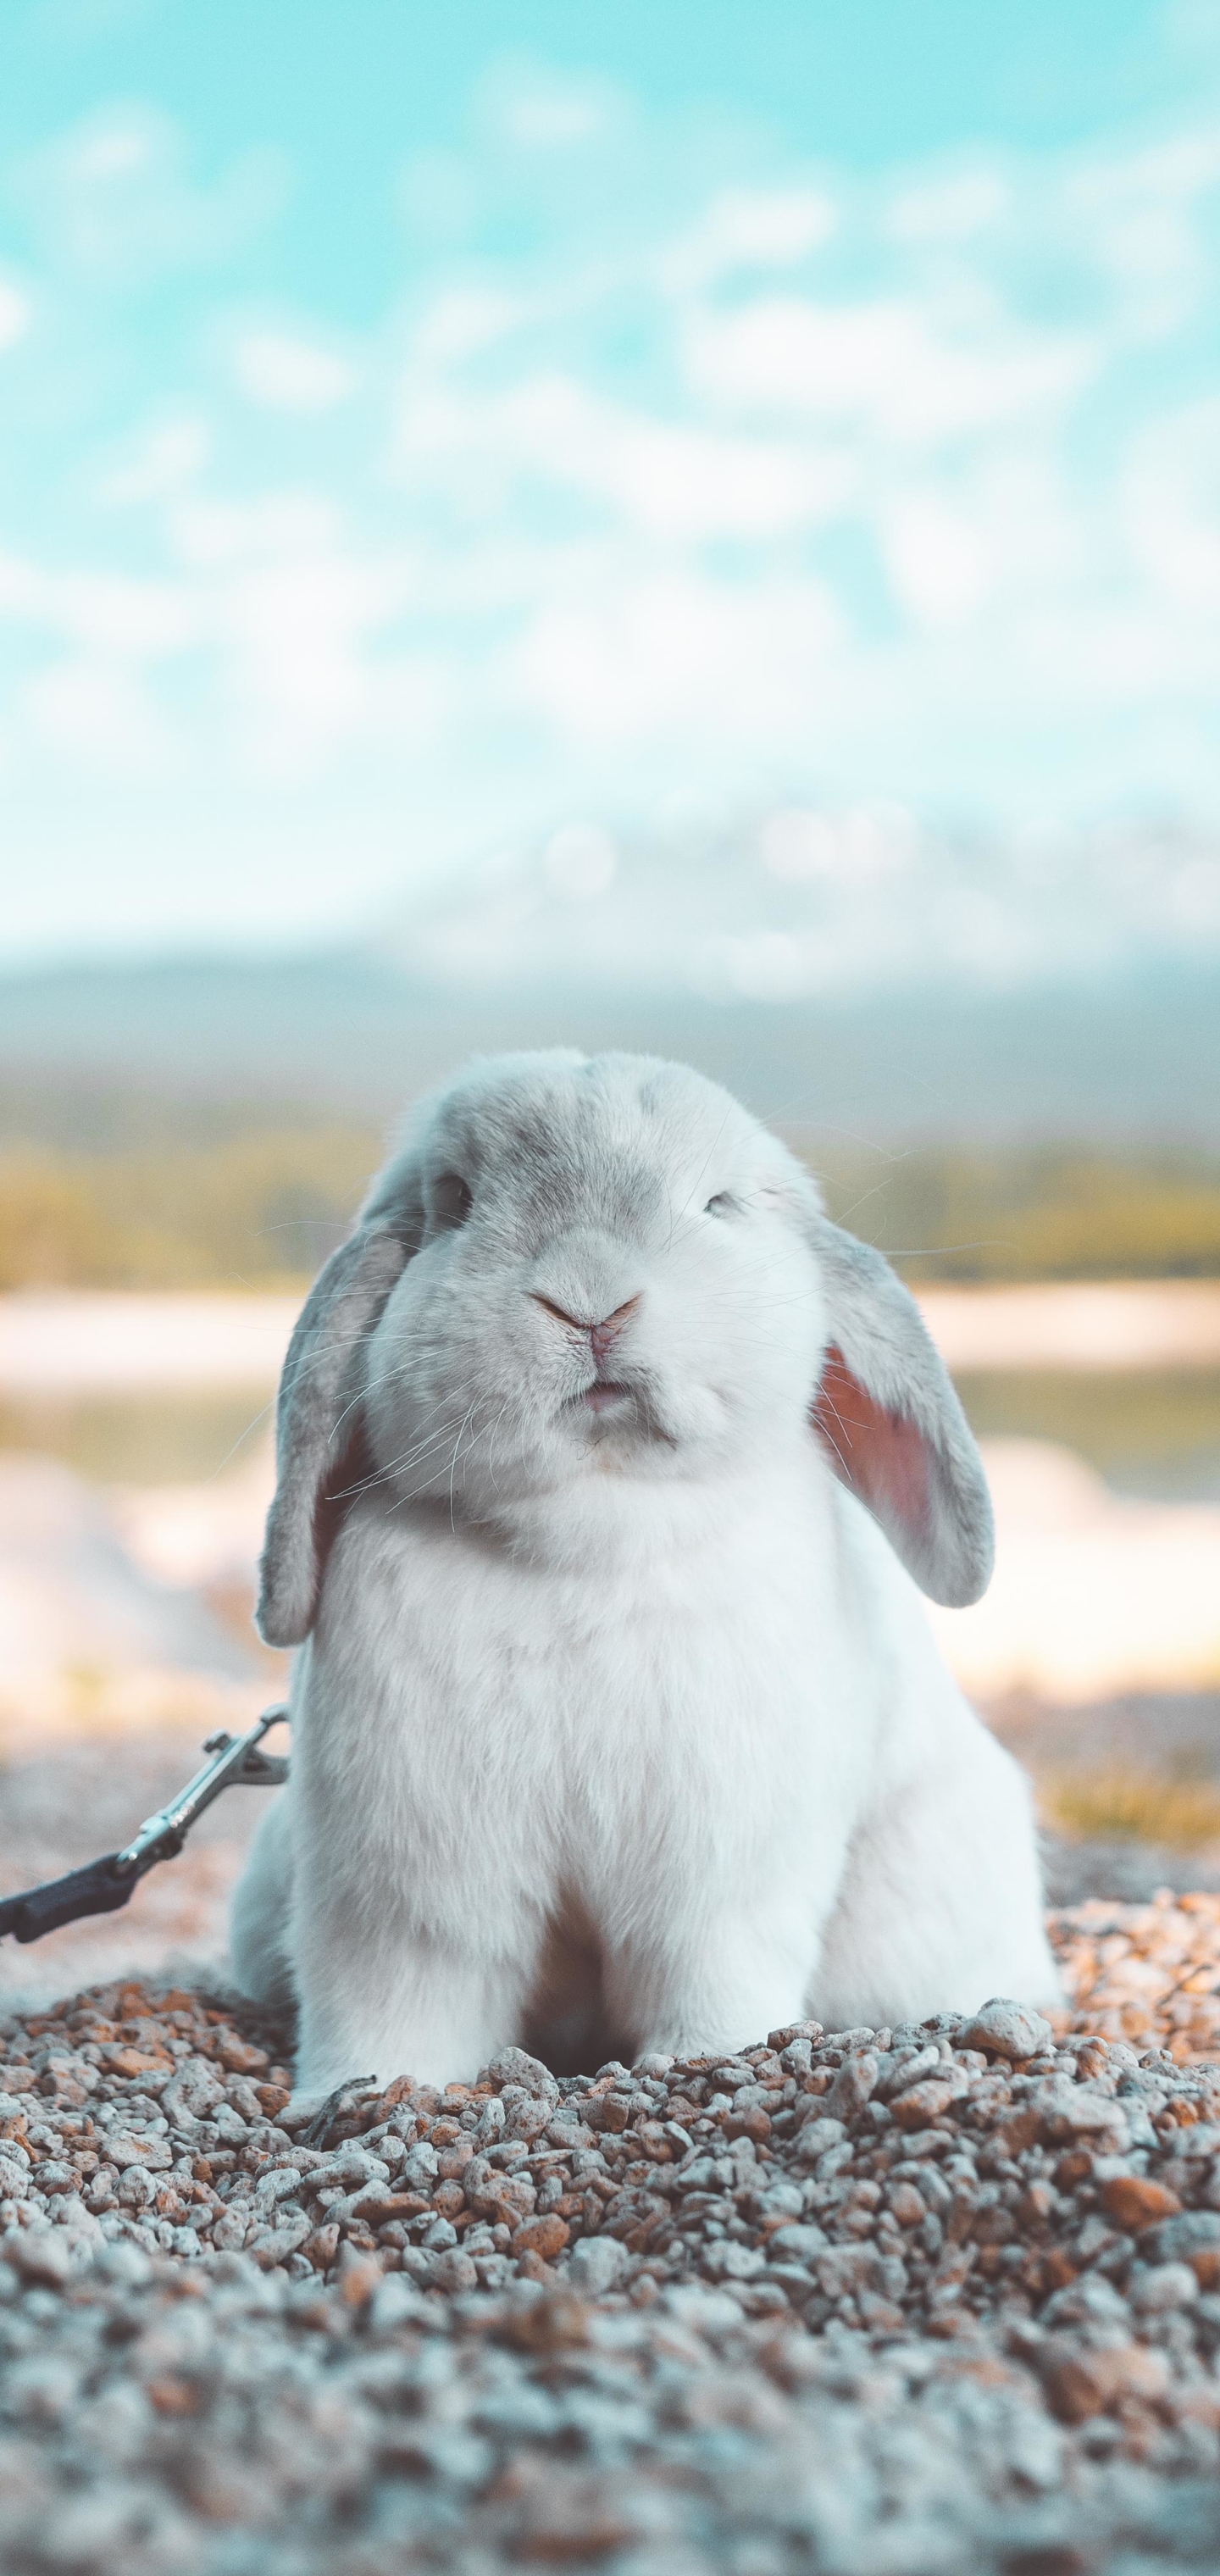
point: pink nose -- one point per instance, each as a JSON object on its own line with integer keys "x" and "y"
{"x": 603, "y": 1336}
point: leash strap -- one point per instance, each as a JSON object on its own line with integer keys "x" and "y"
{"x": 102, "y": 1886}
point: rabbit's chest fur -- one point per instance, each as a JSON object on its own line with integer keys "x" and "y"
{"x": 678, "y": 1695}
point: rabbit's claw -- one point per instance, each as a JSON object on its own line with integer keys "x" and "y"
{"x": 329, "y": 2112}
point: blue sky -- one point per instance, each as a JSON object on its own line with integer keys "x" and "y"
{"x": 422, "y": 429}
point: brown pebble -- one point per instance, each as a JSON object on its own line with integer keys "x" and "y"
{"x": 748, "y": 2124}
{"x": 852, "y": 2086}
{"x": 531, "y": 2267}
{"x": 381, "y": 2209}
{"x": 358, "y": 2278}
{"x": 908, "y": 2205}
{"x": 1133, "y": 2201}
{"x": 923, "y": 2104}
{"x": 1036, "y": 2204}
{"x": 171, "y": 2395}
{"x": 1081, "y": 2382}
{"x": 129, "y": 2062}
{"x": 239, "y": 2057}
{"x": 559, "y": 2318}
{"x": 545, "y": 2237}
{"x": 321, "y": 2247}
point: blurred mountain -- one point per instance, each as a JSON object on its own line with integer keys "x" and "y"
{"x": 850, "y": 976}
{"x": 803, "y": 905}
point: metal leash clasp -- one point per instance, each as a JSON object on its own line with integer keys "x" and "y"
{"x": 237, "y": 1762}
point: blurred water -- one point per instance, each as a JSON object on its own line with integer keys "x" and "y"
{"x": 1152, "y": 1434}
{"x": 151, "y": 1436}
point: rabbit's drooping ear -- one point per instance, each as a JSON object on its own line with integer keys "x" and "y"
{"x": 892, "y": 1426}
{"x": 320, "y": 1385}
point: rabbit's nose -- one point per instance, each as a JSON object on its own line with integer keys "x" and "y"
{"x": 602, "y": 1335}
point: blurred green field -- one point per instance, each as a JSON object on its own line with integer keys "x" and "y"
{"x": 1039, "y": 1212}
{"x": 151, "y": 1195}
{"x": 1128, "y": 1805}
{"x": 255, "y": 1210}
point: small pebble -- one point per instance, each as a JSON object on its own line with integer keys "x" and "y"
{"x": 1010, "y": 2030}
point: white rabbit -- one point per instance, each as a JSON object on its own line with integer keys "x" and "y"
{"x": 616, "y": 1719}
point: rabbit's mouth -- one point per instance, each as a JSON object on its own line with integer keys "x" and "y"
{"x": 606, "y": 1396}
{"x": 623, "y": 1411}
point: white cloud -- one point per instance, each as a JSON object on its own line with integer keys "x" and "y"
{"x": 677, "y": 655}
{"x": 668, "y": 479}
{"x": 101, "y": 714}
{"x": 1171, "y": 498}
{"x": 465, "y": 320}
{"x": 1143, "y": 217}
{"x": 955, "y": 207}
{"x": 541, "y": 112}
{"x": 750, "y": 228}
{"x": 296, "y": 612}
{"x": 14, "y": 314}
{"x": 889, "y": 368}
{"x": 938, "y": 562}
{"x": 287, "y": 373}
{"x": 161, "y": 461}
{"x": 981, "y": 541}
{"x": 114, "y": 200}
{"x": 580, "y": 861}
{"x": 104, "y": 613}
{"x": 283, "y": 524}
{"x": 802, "y": 845}
{"x": 294, "y": 632}
{"x": 94, "y": 698}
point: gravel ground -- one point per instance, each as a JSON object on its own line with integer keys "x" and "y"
{"x": 871, "y": 2303}
{"x": 1145, "y": 1972}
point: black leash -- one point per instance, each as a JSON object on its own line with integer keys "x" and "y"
{"x": 106, "y": 1884}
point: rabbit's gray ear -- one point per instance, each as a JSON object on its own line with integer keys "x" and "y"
{"x": 315, "y": 1423}
{"x": 892, "y": 1426}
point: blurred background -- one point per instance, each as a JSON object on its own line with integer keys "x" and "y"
{"x": 694, "y": 529}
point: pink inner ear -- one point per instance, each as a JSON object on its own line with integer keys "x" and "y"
{"x": 877, "y": 1455}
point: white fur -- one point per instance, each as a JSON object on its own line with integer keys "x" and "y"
{"x": 629, "y": 1720}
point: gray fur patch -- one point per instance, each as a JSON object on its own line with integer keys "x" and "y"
{"x": 940, "y": 1523}
{"x": 321, "y": 1381}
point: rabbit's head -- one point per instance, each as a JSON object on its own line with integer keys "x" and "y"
{"x": 579, "y": 1268}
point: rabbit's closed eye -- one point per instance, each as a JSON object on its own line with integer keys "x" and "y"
{"x": 451, "y": 1202}
{"x": 724, "y": 1204}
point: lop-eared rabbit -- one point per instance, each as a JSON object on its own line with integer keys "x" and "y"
{"x": 606, "y": 1462}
